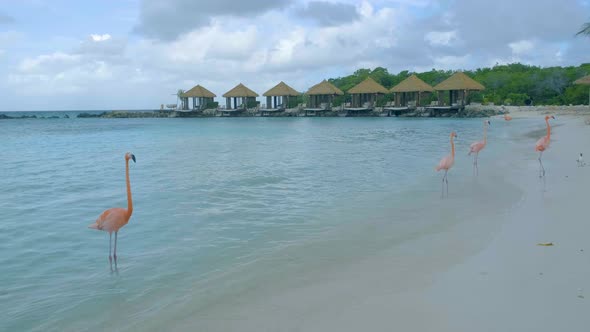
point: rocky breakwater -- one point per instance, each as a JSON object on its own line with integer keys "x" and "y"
{"x": 128, "y": 114}
{"x": 469, "y": 111}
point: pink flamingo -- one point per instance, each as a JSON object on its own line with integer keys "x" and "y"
{"x": 543, "y": 144}
{"x": 112, "y": 220}
{"x": 446, "y": 163}
{"x": 475, "y": 147}
{"x": 507, "y": 117}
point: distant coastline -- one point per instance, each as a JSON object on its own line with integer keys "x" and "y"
{"x": 213, "y": 113}
{"x": 470, "y": 111}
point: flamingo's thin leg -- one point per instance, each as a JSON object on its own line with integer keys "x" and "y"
{"x": 115, "y": 253}
{"x": 476, "y": 165}
{"x": 110, "y": 242}
{"x": 442, "y": 190}
{"x": 447, "y": 182}
{"x": 542, "y": 170}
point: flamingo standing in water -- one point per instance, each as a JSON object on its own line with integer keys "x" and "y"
{"x": 112, "y": 220}
{"x": 475, "y": 147}
{"x": 446, "y": 163}
{"x": 507, "y": 117}
{"x": 543, "y": 144}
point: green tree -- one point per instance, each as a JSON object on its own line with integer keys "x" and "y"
{"x": 517, "y": 82}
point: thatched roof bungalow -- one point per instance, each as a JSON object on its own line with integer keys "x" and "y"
{"x": 410, "y": 91}
{"x": 201, "y": 97}
{"x": 242, "y": 94}
{"x": 586, "y": 81}
{"x": 459, "y": 85}
{"x": 323, "y": 93}
{"x": 278, "y": 96}
{"x": 365, "y": 93}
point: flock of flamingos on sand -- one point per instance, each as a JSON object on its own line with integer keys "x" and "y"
{"x": 112, "y": 220}
{"x": 448, "y": 161}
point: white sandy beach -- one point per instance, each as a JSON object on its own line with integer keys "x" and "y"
{"x": 515, "y": 285}
{"x": 536, "y": 111}
{"x": 482, "y": 273}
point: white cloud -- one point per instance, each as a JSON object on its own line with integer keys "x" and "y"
{"x": 61, "y": 73}
{"x": 284, "y": 51}
{"x": 521, "y": 47}
{"x": 102, "y": 46}
{"x": 233, "y": 52}
{"x": 559, "y": 56}
{"x": 329, "y": 13}
{"x": 176, "y": 49}
{"x": 8, "y": 38}
{"x": 453, "y": 62}
{"x": 441, "y": 38}
{"x": 167, "y": 20}
{"x": 100, "y": 38}
{"x": 367, "y": 39}
{"x": 489, "y": 24}
{"x": 217, "y": 56}
{"x": 48, "y": 62}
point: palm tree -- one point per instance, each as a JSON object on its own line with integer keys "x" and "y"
{"x": 585, "y": 30}
{"x": 178, "y": 97}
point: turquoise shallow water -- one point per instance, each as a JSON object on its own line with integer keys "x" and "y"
{"x": 210, "y": 196}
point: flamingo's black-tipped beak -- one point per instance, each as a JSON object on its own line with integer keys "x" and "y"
{"x": 489, "y": 123}
{"x": 553, "y": 117}
{"x": 133, "y": 157}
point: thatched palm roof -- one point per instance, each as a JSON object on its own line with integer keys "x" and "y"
{"x": 324, "y": 88}
{"x": 368, "y": 86}
{"x": 583, "y": 80}
{"x": 459, "y": 81}
{"x": 281, "y": 89}
{"x": 412, "y": 84}
{"x": 198, "y": 92}
{"x": 240, "y": 90}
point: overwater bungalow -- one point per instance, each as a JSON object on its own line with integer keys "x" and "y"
{"x": 201, "y": 98}
{"x": 459, "y": 86}
{"x": 586, "y": 81}
{"x": 321, "y": 97}
{"x": 364, "y": 95}
{"x": 277, "y": 99}
{"x": 408, "y": 95}
{"x": 242, "y": 98}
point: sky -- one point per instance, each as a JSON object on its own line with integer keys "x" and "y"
{"x": 136, "y": 54}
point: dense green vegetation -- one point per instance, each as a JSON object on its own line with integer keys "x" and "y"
{"x": 514, "y": 84}
{"x": 212, "y": 105}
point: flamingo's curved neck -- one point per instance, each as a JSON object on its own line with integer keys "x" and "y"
{"x": 452, "y": 147}
{"x": 485, "y": 133}
{"x": 548, "y": 128}
{"x": 129, "y": 199}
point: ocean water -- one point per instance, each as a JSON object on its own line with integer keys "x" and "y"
{"x": 222, "y": 208}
